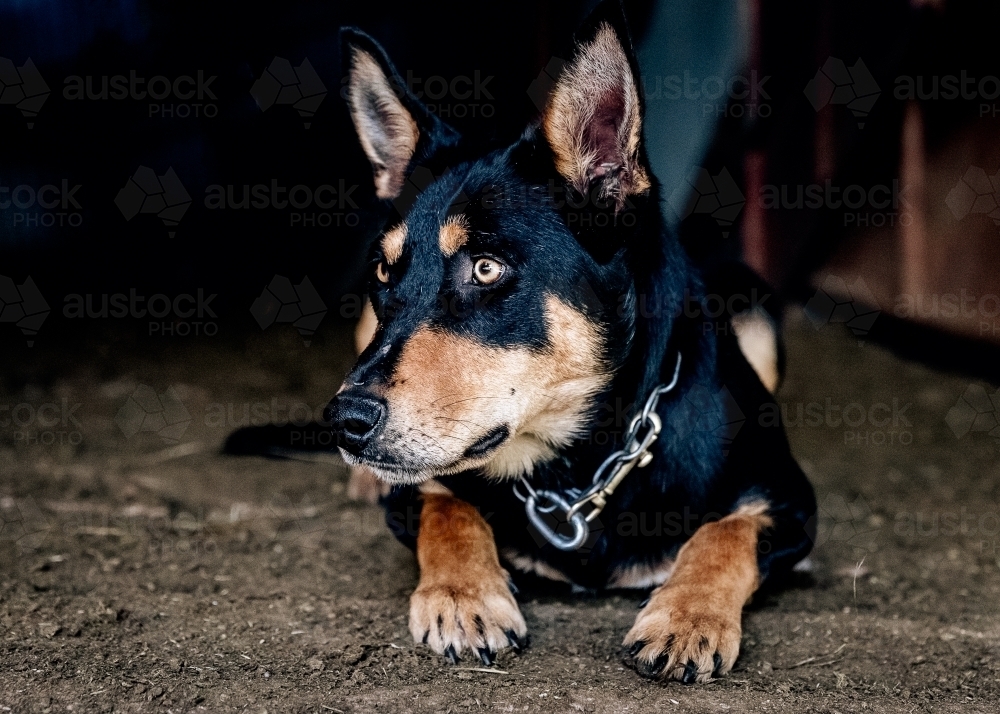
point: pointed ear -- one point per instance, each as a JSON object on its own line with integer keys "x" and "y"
{"x": 394, "y": 127}
{"x": 593, "y": 119}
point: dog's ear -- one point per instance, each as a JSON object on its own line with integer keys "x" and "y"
{"x": 395, "y": 128}
{"x": 593, "y": 118}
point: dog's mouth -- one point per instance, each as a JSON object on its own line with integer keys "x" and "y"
{"x": 399, "y": 472}
{"x": 488, "y": 443}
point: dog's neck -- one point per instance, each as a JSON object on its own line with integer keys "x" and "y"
{"x": 665, "y": 283}
{"x": 667, "y": 323}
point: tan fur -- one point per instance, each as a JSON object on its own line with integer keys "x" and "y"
{"x": 454, "y": 234}
{"x": 599, "y": 69}
{"x": 697, "y": 612}
{"x": 527, "y": 564}
{"x": 463, "y": 601}
{"x": 392, "y": 243}
{"x": 364, "y": 486}
{"x": 758, "y": 340}
{"x": 447, "y": 392}
{"x": 435, "y": 487}
{"x": 642, "y": 576}
{"x": 367, "y": 325}
{"x": 387, "y": 132}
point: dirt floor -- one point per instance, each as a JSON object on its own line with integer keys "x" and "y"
{"x": 140, "y": 570}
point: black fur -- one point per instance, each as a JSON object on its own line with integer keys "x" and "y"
{"x": 628, "y": 273}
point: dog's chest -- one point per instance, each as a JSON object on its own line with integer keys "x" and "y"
{"x": 635, "y": 576}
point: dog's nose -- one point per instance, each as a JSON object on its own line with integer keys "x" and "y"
{"x": 355, "y": 418}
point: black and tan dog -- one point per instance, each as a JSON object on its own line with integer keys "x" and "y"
{"x": 526, "y": 306}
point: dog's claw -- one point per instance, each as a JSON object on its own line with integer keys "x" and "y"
{"x": 451, "y": 655}
{"x": 426, "y": 635}
{"x": 651, "y": 669}
{"x": 636, "y": 648}
{"x": 515, "y": 642}
{"x": 690, "y": 673}
{"x": 512, "y": 587}
{"x": 643, "y": 603}
{"x": 487, "y": 655}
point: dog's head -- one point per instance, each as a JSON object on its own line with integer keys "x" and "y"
{"x": 505, "y": 297}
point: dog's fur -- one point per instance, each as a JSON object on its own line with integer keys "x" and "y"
{"x": 467, "y": 384}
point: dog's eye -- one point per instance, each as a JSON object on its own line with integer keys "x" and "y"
{"x": 488, "y": 270}
{"x": 382, "y": 272}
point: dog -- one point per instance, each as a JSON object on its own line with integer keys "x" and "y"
{"x": 536, "y": 333}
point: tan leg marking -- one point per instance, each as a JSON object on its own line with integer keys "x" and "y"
{"x": 463, "y": 601}
{"x": 527, "y": 564}
{"x": 758, "y": 340}
{"x": 691, "y": 627}
{"x": 641, "y": 576}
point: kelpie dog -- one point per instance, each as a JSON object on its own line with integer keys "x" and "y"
{"x": 549, "y": 386}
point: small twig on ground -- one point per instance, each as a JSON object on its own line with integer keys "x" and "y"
{"x": 857, "y": 570}
{"x": 810, "y": 660}
{"x": 481, "y": 669}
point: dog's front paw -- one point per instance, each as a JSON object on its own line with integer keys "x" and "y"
{"x": 481, "y": 617}
{"x": 682, "y": 634}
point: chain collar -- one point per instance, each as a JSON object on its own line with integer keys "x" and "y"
{"x": 642, "y": 432}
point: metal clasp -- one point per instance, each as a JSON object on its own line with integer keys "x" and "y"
{"x": 581, "y": 529}
{"x": 616, "y": 467}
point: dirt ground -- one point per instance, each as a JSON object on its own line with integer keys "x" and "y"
{"x": 141, "y": 570}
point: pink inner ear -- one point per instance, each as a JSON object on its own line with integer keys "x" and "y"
{"x": 601, "y": 133}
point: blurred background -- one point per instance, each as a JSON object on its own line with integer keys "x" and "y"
{"x": 847, "y": 151}
{"x": 185, "y": 214}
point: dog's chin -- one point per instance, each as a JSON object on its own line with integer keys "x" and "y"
{"x": 395, "y": 472}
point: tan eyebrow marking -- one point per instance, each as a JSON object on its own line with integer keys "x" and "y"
{"x": 392, "y": 243}
{"x": 454, "y": 234}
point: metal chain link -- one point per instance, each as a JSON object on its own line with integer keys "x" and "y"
{"x": 608, "y": 476}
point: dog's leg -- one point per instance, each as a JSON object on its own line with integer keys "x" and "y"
{"x": 690, "y": 629}
{"x": 464, "y": 599}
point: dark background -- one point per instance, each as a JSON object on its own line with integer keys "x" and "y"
{"x": 234, "y": 253}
